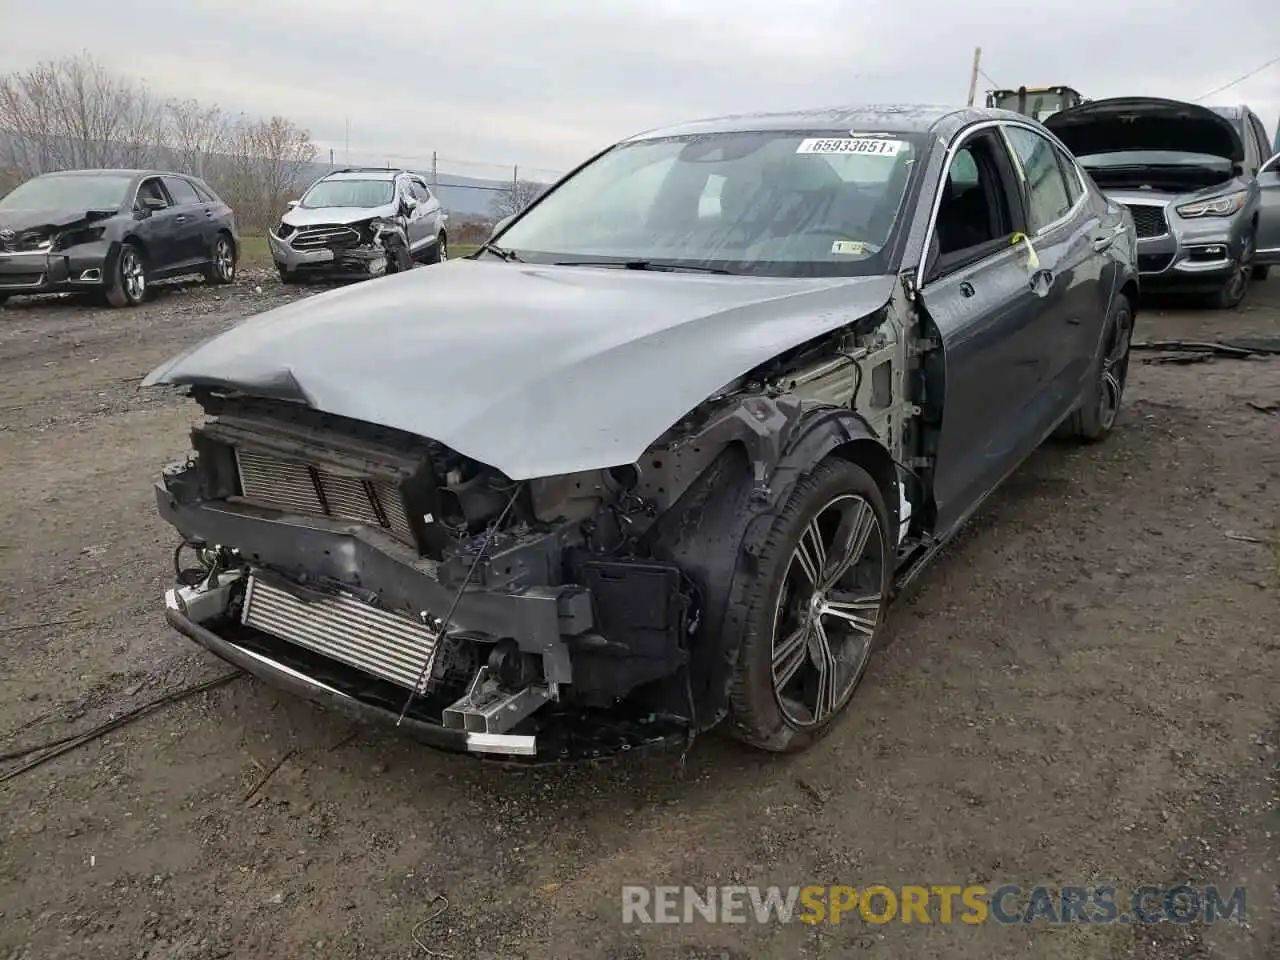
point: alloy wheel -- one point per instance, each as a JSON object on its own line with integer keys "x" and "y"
{"x": 828, "y": 610}
{"x": 1244, "y": 270}
{"x": 1115, "y": 369}
{"x": 132, "y": 275}
{"x": 223, "y": 260}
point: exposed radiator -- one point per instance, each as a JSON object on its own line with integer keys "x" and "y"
{"x": 301, "y": 488}
{"x": 386, "y": 645}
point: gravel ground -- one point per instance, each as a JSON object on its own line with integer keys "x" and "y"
{"x": 1083, "y": 690}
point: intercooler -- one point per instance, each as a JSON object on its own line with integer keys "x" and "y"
{"x": 386, "y": 645}
{"x": 270, "y": 481}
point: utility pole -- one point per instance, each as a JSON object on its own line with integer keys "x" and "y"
{"x": 515, "y": 184}
{"x": 973, "y": 77}
{"x": 435, "y": 174}
{"x": 348, "y": 142}
{"x": 331, "y": 159}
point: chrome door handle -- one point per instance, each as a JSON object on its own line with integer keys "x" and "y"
{"x": 1103, "y": 242}
{"x": 180, "y": 218}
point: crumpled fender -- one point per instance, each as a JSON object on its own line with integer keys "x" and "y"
{"x": 717, "y": 529}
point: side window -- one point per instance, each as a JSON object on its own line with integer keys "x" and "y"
{"x": 206, "y": 195}
{"x": 420, "y": 190}
{"x": 1047, "y": 197}
{"x": 181, "y": 191}
{"x": 151, "y": 194}
{"x": 974, "y": 213}
{"x": 1070, "y": 176}
{"x": 1260, "y": 133}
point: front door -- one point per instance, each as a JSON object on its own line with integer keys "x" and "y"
{"x": 979, "y": 293}
{"x": 158, "y": 227}
{"x": 1268, "y": 242}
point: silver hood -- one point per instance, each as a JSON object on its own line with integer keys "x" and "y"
{"x": 309, "y": 216}
{"x": 534, "y": 370}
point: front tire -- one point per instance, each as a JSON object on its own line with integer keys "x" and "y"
{"x": 1232, "y": 293}
{"x": 128, "y": 284}
{"x": 222, "y": 264}
{"x": 286, "y": 275}
{"x": 816, "y": 607}
{"x": 439, "y": 250}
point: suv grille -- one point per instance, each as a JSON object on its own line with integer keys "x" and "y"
{"x": 312, "y": 238}
{"x": 1148, "y": 220}
{"x": 301, "y": 488}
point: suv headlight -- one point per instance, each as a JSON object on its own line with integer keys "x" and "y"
{"x": 1223, "y": 206}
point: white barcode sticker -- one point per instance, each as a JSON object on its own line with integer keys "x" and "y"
{"x": 864, "y": 146}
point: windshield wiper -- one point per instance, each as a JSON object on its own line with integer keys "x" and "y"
{"x": 644, "y": 265}
{"x": 502, "y": 253}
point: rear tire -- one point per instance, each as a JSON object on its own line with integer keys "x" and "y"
{"x": 1094, "y": 419}
{"x": 128, "y": 284}
{"x": 222, "y": 263}
{"x": 815, "y": 609}
{"x": 1232, "y": 293}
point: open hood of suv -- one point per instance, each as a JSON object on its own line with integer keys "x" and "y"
{"x": 1145, "y": 123}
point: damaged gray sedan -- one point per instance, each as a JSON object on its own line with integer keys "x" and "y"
{"x": 659, "y": 455}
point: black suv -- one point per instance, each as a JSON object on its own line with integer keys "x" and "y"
{"x": 113, "y": 231}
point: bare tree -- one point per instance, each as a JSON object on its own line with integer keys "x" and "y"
{"x": 197, "y": 134}
{"x": 74, "y": 112}
{"x": 514, "y": 197}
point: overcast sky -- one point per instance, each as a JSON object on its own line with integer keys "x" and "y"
{"x": 543, "y": 83}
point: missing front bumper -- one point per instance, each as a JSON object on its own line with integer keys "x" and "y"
{"x": 179, "y": 602}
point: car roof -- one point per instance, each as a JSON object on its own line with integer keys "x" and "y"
{"x": 887, "y": 118}
{"x": 369, "y": 173}
{"x": 117, "y": 172}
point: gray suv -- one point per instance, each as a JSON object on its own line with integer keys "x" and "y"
{"x": 1204, "y": 197}
{"x": 360, "y": 222}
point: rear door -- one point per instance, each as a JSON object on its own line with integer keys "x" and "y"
{"x": 1069, "y": 242}
{"x": 978, "y": 293}
{"x": 191, "y": 225}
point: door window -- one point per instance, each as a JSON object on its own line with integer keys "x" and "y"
{"x": 181, "y": 191}
{"x": 974, "y": 214}
{"x": 420, "y": 191}
{"x": 1047, "y": 197}
{"x": 151, "y": 194}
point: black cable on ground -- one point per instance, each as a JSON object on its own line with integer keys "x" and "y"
{"x": 56, "y": 748}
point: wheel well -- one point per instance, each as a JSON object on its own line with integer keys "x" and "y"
{"x": 235, "y": 247}
{"x": 133, "y": 241}
{"x": 1130, "y": 290}
{"x": 875, "y": 459}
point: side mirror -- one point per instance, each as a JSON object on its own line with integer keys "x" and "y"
{"x": 154, "y": 203}
{"x": 291, "y": 204}
{"x": 500, "y": 226}
{"x": 410, "y": 202}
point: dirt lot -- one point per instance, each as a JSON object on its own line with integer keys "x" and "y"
{"x": 1082, "y": 691}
